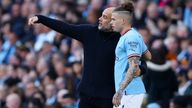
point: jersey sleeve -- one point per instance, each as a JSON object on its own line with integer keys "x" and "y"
{"x": 145, "y": 49}
{"x": 133, "y": 47}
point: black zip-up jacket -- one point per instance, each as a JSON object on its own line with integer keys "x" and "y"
{"x": 99, "y": 55}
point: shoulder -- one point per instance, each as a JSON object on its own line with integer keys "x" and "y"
{"x": 134, "y": 35}
{"x": 131, "y": 36}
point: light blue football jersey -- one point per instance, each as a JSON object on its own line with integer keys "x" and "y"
{"x": 129, "y": 45}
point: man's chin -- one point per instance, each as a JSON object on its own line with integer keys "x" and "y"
{"x": 114, "y": 30}
{"x": 101, "y": 28}
{"x": 104, "y": 29}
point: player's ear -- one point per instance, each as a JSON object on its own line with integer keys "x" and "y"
{"x": 123, "y": 21}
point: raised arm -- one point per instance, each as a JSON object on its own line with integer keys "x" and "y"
{"x": 75, "y": 31}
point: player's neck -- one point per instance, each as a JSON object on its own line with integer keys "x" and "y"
{"x": 125, "y": 30}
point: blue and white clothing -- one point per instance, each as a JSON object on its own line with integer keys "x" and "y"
{"x": 130, "y": 44}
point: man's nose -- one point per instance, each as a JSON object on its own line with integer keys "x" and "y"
{"x": 100, "y": 19}
{"x": 111, "y": 23}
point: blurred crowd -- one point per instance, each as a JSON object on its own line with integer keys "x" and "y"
{"x": 40, "y": 68}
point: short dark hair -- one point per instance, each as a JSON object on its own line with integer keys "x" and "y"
{"x": 128, "y": 6}
{"x": 126, "y": 9}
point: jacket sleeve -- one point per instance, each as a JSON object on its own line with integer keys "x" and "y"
{"x": 74, "y": 31}
{"x": 143, "y": 67}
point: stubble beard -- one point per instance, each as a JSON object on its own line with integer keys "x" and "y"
{"x": 107, "y": 29}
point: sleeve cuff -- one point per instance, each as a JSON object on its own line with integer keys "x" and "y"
{"x": 39, "y": 18}
{"x": 134, "y": 55}
{"x": 145, "y": 51}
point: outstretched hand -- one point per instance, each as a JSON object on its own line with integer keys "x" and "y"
{"x": 32, "y": 20}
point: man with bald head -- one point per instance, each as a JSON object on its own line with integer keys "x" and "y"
{"x": 97, "y": 85}
{"x": 105, "y": 19}
{"x": 13, "y": 101}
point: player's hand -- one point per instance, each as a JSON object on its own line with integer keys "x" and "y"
{"x": 32, "y": 20}
{"x": 138, "y": 72}
{"x": 117, "y": 98}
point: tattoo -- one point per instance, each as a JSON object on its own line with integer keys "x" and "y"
{"x": 133, "y": 66}
{"x": 118, "y": 94}
{"x": 117, "y": 98}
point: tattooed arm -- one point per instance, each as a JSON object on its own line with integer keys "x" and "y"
{"x": 133, "y": 67}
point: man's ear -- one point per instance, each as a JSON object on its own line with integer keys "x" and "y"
{"x": 123, "y": 21}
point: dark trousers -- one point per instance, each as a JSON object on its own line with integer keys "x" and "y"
{"x": 94, "y": 102}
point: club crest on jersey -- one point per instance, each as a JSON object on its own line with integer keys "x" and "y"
{"x": 133, "y": 44}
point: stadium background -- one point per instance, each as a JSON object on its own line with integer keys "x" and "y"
{"x": 44, "y": 67}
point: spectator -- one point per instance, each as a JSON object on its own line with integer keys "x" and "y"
{"x": 181, "y": 102}
{"x": 13, "y": 101}
{"x": 31, "y": 60}
{"x": 3, "y": 94}
{"x": 65, "y": 99}
{"x": 172, "y": 47}
{"x": 50, "y": 92}
{"x": 9, "y": 48}
{"x": 3, "y": 75}
{"x": 77, "y": 69}
{"x": 183, "y": 81}
{"x": 42, "y": 68}
{"x": 152, "y": 13}
{"x": 187, "y": 14}
{"x": 140, "y": 14}
{"x": 183, "y": 56}
{"x": 60, "y": 83}
{"x": 188, "y": 90}
{"x": 35, "y": 103}
{"x": 41, "y": 96}
{"x": 45, "y": 35}
{"x": 30, "y": 89}
{"x": 160, "y": 80}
